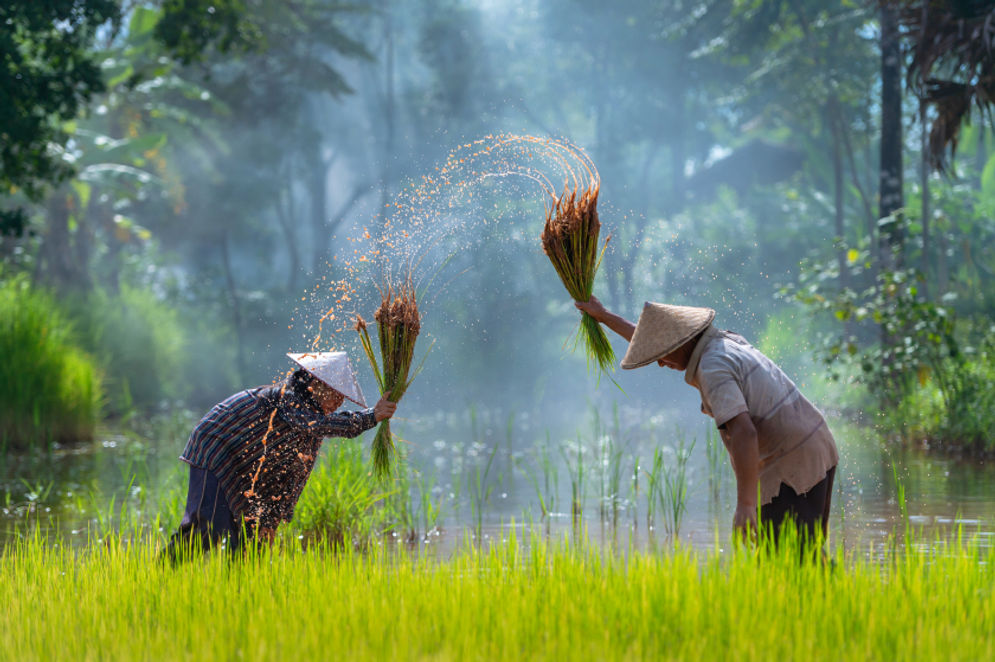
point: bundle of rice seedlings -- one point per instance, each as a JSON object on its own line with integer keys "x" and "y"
{"x": 570, "y": 240}
{"x": 398, "y": 324}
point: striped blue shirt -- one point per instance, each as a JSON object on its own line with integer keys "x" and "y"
{"x": 262, "y": 445}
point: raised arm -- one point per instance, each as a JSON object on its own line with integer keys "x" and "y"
{"x": 616, "y": 323}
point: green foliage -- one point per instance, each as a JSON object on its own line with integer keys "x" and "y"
{"x": 47, "y": 75}
{"x": 786, "y": 340}
{"x": 190, "y": 28}
{"x": 343, "y": 504}
{"x": 914, "y": 333}
{"x": 49, "y": 388}
{"x": 927, "y": 372}
{"x": 140, "y": 343}
{"x": 962, "y": 393}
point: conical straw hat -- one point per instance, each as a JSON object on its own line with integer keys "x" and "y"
{"x": 334, "y": 369}
{"x": 661, "y": 329}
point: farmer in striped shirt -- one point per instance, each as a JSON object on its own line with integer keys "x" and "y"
{"x": 251, "y": 455}
{"x": 778, "y": 442}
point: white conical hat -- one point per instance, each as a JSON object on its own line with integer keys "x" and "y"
{"x": 334, "y": 369}
{"x": 663, "y": 328}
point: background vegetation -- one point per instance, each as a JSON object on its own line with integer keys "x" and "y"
{"x": 176, "y": 175}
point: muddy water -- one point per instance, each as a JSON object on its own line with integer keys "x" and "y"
{"x": 79, "y": 491}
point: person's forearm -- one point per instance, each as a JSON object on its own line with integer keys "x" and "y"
{"x": 618, "y": 324}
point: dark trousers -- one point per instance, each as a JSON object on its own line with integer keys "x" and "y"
{"x": 207, "y": 520}
{"x": 809, "y": 511}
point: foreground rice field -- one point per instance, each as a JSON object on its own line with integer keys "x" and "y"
{"x": 537, "y": 600}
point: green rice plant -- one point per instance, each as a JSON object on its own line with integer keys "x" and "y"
{"x": 509, "y": 440}
{"x": 480, "y": 487}
{"x": 654, "y": 486}
{"x": 429, "y": 511}
{"x": 546, "y": 487}
{"x": 342, "y": 504}
{"x": 903, "y": 504}
{"x": 554, "y": 600}
{"x": 414, "y": 516}
{"x": 667, "y": 488}
{"x": 50, "y": 390}
{"x": 575, "y": 468}
{"x": 609, "y": 470}
{"x": 715, "y": 455}
{"x": 37, "y": 492}
{"x": 676, "y": 487}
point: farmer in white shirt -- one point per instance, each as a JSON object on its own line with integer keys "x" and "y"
{"x": 778, "y": 442}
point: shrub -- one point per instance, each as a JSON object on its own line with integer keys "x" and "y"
{"x": 50, "y": 390}
{"x": 140, "y": 343}
{"x": 343, "y": 502}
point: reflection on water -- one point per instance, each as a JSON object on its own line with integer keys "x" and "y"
{"x": 488, "y": 469}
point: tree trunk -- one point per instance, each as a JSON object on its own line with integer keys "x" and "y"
{"x": 927, "y": 247}
{"x": 835, "y": 123}
{"x": 892, "y": 232}
{"x": 890, "y": 184}
{"x": 318, "y": 190}
{"x": 864, "y": 198}
{"x": 285, "y": 215}
{"x": 57, "y": 256}
{"x": 236, "y": 308}
{"x": 387, "y": 174}
{"x": 325, "y": 244}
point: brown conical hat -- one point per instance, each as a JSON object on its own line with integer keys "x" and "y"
{"x": 661, "y": 329}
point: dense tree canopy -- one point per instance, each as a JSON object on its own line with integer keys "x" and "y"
{"x": 222, "y": 155}
{"x": 48, "y": 74}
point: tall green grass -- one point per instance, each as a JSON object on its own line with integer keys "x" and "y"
{"x": 49, "y": 388}
{"x": 516, "y": 600}
{"x": 140, "y": 342}
{"x": 343, "y": 504}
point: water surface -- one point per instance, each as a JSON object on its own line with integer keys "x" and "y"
{"x": 490, "y": 468}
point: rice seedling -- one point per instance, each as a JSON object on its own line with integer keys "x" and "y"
{"x": 575, "y": 468}
{"x": 610, "y": 451}
{"x": 480, "y": 488}
{"x": 545, "y": 489}
{"x": 342, "y": 505}
{"x": 429, "y": 510}
{"x": 509, "y": 438}
{"x": 903, "y": 504}
{"x": 654, "y": 487}
{"x": 518, "y": 595}
{"x": 610, "y": 477}
{"x": 398, "y": 324}
{"x": 715, "y": 455}
{"x": 676, "y": 487}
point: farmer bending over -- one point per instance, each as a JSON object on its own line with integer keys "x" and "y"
{"x": 251, "y": 455}
{"x": 775, "y": 437}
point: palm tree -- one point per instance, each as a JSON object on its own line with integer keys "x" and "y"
{"x": 952, "y": 43}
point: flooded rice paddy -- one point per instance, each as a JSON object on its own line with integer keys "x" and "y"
{"x": 479, "y": 473}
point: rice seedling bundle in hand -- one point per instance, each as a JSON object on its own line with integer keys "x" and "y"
{"x": 570, "y": 240}
{"x": 398, "y": 324}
